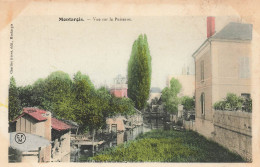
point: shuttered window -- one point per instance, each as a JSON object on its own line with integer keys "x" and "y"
{"x": 244, "y": 69}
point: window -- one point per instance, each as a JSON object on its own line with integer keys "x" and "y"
{"x": 202, "y": 70}
{"x": 244, "y": 70}
{"x": 202, "y": 101}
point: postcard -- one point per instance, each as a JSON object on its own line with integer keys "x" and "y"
{"x": 90, "y": 83}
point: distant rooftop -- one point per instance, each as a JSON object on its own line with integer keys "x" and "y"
{"x": 235, "y": 31}
{"x": 155, "y": 90}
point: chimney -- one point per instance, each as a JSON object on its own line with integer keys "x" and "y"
{"x": 210, "y": 26}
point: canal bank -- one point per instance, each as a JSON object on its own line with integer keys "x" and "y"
{"x": 160, "y": 145}
{"x": 112, "y": 140}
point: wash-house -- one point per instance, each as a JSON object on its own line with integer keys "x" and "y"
{"x": 38, "y": 122}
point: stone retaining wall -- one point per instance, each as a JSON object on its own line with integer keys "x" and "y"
{"x": 233, "y": 130}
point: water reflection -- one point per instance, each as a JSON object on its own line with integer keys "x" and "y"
{"x": 119, "y": 138}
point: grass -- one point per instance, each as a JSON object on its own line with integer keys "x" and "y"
{"x": 167, "y": 146}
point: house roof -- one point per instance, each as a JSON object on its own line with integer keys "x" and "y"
{"x": 59, "y": 125}
{"x": 37, "y": 114}
{"x": 235, "y": 31}
{"x": 34, "y": 113}
{"x": 232, "y": 31}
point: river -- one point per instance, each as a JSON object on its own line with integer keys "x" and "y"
{"x": 119, "y": 138}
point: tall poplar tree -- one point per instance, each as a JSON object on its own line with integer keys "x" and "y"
{"x": 139, "y": 72}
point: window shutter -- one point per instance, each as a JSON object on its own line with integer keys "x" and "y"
{"x": 244, "y": 71}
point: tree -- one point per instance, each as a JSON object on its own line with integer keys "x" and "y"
{"x": 169, "y": 96}
{"x": 139, "y": 72}
{"x": 188, "y": 103}
{"x": 80, "y": 76}
{"x": 75, "y": 100}
{"x": 83, "y": 92}
{"x": 122, "y": 106}
{"x": 25, "y": 96}
{"x": 14, "y": 107}
{"x": 57, "y": 94}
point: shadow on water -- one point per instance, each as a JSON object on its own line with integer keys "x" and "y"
{"x": 115, "y": 139}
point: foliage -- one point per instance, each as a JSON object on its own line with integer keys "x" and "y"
{"x": 188, "y": 103}
{"x": 139, "y": 72}
{"x": 57, "y": 94}
{"x": 75, "y": 100}
{"x": 14, "y": 107}
{"x": 233, "y": 103}
{"x": 153, "y": 106}
{"x": 122, "y": 106}
{"x": 247, "y": 105}
{"x": 80, "y": 76}
{"x": 83, "y": 94}
{"x": 169, "y": 96}
{"x": 179, "y": 123}
{"x": 26, "y": 96}
{"x": 167, "y": 146}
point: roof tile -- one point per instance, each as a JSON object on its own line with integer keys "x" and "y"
{"x": 35, "y": 113}
{"x": 59, "y": 125}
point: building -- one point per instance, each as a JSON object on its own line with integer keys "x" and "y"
{"x": 40, "y": 122}
{"x": 119, "y": 88}
{"x": 222, "y": 65}
{"x": 120, "y": 123}
{"x": 187, "y": 82}
{"x": 115, "y": 124}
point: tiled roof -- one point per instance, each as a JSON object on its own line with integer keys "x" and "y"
{"x": 38, "y": 115}
{"x": 235, "y": 31}
{"x": 59, "y": 125}
{"x": 35, "y": 113}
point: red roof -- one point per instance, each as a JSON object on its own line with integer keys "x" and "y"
{"x": 35, "y": 113}
{"x": 59, "y": 125}
{"x": 38, "y": 115}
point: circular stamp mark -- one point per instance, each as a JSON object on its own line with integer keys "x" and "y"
{"x": 20, "y": 138}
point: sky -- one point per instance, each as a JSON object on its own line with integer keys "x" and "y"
{"x": 101, "y": 50}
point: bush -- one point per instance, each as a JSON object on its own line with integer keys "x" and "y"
{"x": 233, "y": 103}
{"x": 247, "y": 106}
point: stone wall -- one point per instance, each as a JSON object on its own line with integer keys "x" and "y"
{"x": 204, "y": 127}
{"x": 61, "y": 148}
{"x": 233, "y": 130}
